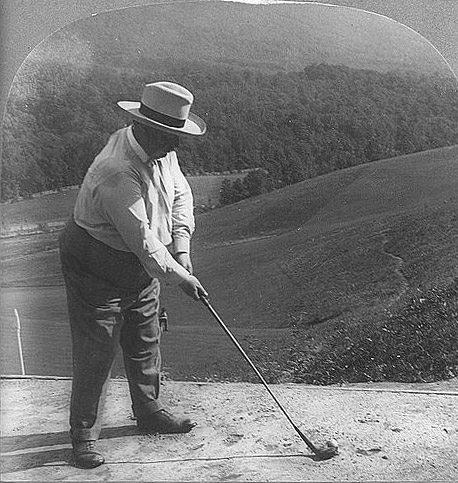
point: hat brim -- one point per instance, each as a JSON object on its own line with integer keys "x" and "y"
{"x": 194, "y": 125}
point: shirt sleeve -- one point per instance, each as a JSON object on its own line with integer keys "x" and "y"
{"x": 120, "y": 200}
{"x": 183, "y": 223}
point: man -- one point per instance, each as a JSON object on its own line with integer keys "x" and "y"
{"x": 132, "y": 223}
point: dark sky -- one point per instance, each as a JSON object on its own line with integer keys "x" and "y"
{"x": 25, "y": 23}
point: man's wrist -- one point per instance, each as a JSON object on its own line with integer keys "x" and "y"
{"x": 177, "y": 274}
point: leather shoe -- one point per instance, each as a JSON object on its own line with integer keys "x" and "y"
{"x": 165, "y": 423}
{"x": 85, "y": 455}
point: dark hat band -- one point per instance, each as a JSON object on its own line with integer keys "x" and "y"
{"x": 161, "y": 118}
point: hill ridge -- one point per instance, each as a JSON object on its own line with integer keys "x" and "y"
{"x": 365, "y": 175}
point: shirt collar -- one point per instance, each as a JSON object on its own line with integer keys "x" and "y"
{"x": 139, "y": 151}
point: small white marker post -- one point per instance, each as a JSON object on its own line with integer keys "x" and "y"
{"x": 19, "y": 342}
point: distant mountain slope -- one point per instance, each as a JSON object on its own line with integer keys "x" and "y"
{"x": 285, "y": 36}
{"x": 435, "y": 20}
{"x": 265, "y": 80}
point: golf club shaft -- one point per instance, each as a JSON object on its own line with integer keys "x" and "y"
{"x": 261, "y": 378}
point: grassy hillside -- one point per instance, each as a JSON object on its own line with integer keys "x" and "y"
{"x": 340, "y": 235}
{"x": 311, "y": 277}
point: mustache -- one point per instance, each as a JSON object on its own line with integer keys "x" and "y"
{"x": 164, "y": 150}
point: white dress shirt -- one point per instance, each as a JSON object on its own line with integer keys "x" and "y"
{"x": 133, "y": 203}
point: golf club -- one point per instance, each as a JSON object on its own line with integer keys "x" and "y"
{"x": 321, "y": 453}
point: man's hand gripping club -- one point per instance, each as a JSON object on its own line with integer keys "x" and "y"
{"x": 192, "y": 287}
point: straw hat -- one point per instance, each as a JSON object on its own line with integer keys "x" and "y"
{"x": 166, "y": 106}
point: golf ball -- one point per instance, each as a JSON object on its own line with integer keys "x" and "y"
{"x": 332, "y": 443}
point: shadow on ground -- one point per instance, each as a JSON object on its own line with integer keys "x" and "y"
{"x": 34, "y": 459}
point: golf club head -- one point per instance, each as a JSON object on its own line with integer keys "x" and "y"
{"x": 326, "y": 453}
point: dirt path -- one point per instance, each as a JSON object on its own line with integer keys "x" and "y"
{"x": 388, "y": 432}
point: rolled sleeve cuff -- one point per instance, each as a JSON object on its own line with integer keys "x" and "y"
{"x": 181, "y": 245}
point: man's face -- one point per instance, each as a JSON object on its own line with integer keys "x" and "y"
{"x": 157, "y": 143}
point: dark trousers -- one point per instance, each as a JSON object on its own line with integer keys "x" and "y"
{"x": 112, "y": 301}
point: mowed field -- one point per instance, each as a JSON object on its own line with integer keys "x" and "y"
{"x": 342, "y": 247}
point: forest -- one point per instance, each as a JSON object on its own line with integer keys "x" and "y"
{"x": 285, "y": 126}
